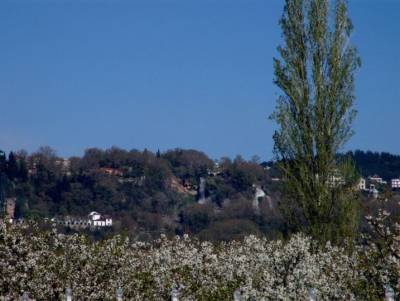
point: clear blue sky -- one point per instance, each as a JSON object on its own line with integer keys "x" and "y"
{"x": 171, "y": 73}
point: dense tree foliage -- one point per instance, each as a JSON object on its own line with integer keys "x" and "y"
{"x": 148, "y": 194}
{"x": 145, "y": 193}
{"x": 315, "y": 73}
{"x": 384, "y": 164}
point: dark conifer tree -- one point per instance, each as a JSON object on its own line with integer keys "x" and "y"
{"x": 23, "y": 173}
{"x": 12, "y": 166}
{"x": 3, "y": 161}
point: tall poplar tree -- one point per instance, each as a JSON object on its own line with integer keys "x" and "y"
{"x": 315, "y": 72}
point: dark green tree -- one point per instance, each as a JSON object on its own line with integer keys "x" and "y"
{"x": 3, "y": 161}
{"x": 3, "y": 191}
{"x": 12, "y": 166}
{"x": 23, "y": 173}
{"x": 314, "y": 114}
{"x": 20, "y": 208}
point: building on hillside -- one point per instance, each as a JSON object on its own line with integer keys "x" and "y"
{"x": 111, "y": 171}
{"x": 362, "y": 184}
{"x": 139, "y": 181}
{"x": 32, "y": 167}
{"x": 373, "y": 191}
{"x": 377, "y": 179}
{"x": 395, "y": 183}
{"x": 94, "y": 220}
{"x": 65, "y": 165}
{"x": 335, "y": 181}
{"x": 95, "y": 216}
{"x": 215, "y": 170}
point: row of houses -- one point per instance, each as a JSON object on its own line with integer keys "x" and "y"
{"x": 374, "y": 182}
{"x": 94, "y": 219}
{"x": 394, "y": 183}
{"x": 65, "y": 167}
{"x": 370, "y": 185}
{"x": 63, "y": 164}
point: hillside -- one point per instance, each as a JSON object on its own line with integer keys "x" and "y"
{"x": 146, "y": 194}
{"x": 384, "y": 164}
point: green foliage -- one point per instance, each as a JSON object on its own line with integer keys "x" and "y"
{"x": 196, "y": 217}
{"x": 20, "y": 208}
{"x": 220, "y": 189}
{"x": 3, "y": 161}
{"x": 23, "y": 173}
{"x": 12, "y": 166}
{"x": 370, "y": 163}
{"x": 144, "y": 203}
{"x": 188, "y": 164}
{"x": 145, "y": 193}
{"x": 316, "y": 75}
{"x": 230, "y": 229}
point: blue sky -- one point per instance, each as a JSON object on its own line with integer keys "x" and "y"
{"x": 171, "y": 73}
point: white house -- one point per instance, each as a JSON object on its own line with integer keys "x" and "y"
{"x": 395, "y": 184}
{"x": 95, "y": 219}
{"x": 94, "y": 216}
{"x": 362, "y": 184}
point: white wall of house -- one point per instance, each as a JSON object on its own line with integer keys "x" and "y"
{"x": 362, "y": 184}
{"x": 395, "y": 183}
{"x": 94, "y": 216}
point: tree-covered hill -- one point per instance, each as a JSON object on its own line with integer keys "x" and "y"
{"x": 145, "y": 193}
{"x": 370, "y": 163}
{"x": 151, "y": 193}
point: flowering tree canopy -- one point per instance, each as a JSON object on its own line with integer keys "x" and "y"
{"x": 44, "y": 263}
